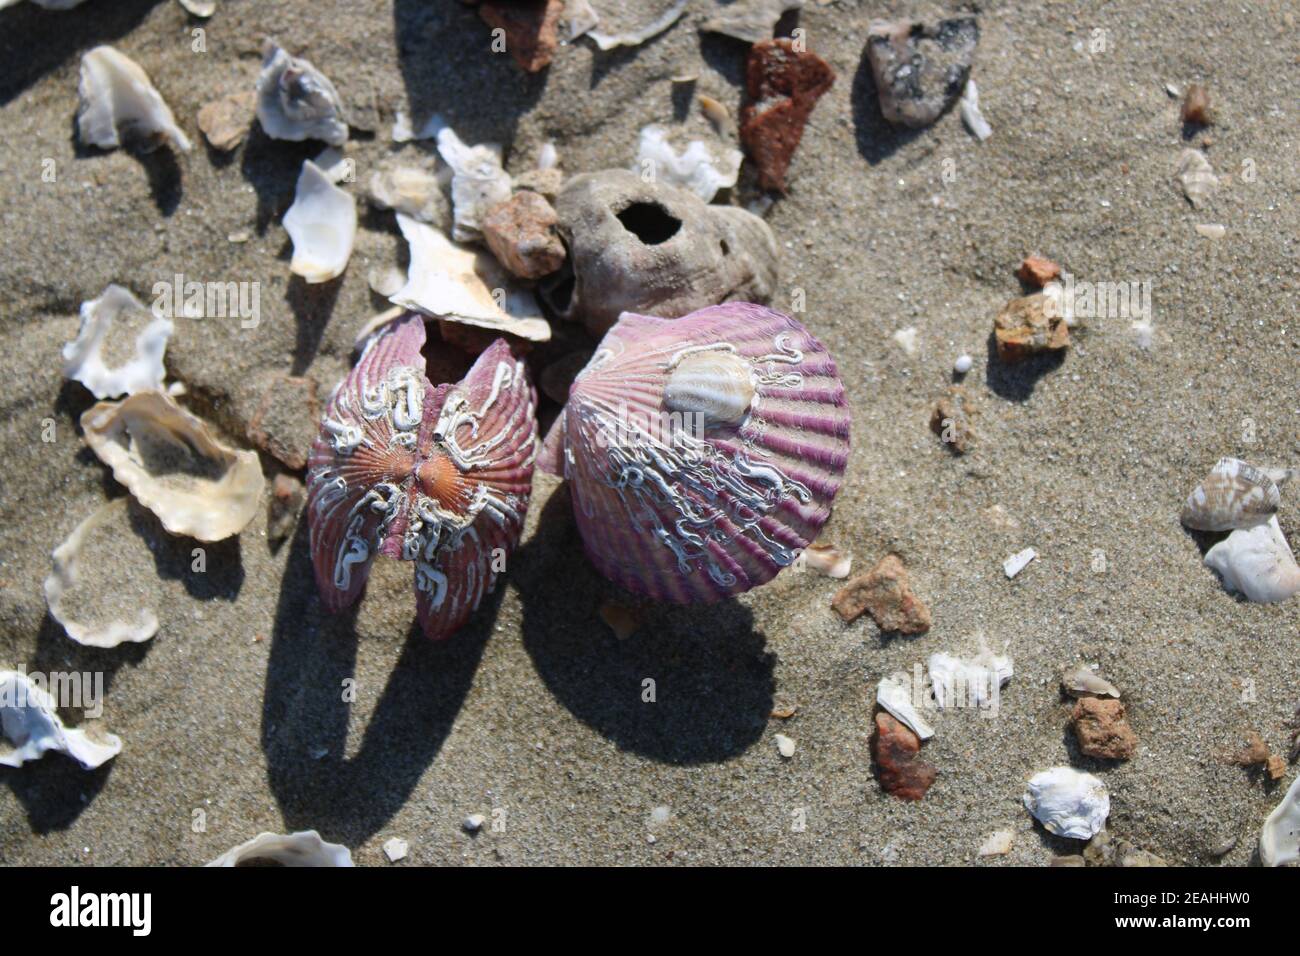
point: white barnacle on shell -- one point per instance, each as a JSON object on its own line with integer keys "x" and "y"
{"x": 296, "y": 101}
{"x": 717, "y": 385}
{"x": 120, "y": 106}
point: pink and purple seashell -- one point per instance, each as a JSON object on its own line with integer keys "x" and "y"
{"x": 703, "y": 452}
{"x": 436, "y": 475}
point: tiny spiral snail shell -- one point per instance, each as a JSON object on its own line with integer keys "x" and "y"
{"x": 715, "y": 384}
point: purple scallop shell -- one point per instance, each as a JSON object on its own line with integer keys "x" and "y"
{"x": 698, "y": 514}
{"x": 437, "y": 475}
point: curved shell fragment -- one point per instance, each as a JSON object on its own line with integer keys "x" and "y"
{"x": 120, "y": 106}
{"x": 33, "y": 728}
{"x": 1257, "y": 562}
{"x": 1279, "y": 840}
{"x": 86, "y": 358}
{"x": 305, "y": 848}
{"x": 1233, "y": 495}
{"x": 169, "y": 460}
{"x": 322, "y": 222}
{"x": 1068, "y": 803}
{"x": 296, "y": 101}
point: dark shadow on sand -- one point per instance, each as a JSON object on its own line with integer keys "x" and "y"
{"x": 1016, "y": 382}
{"x": 312, "y": 653}
{"x": 713, "y": 676}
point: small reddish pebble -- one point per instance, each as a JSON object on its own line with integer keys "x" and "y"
{"x": 1037, "y": 271}
{"x": 1196, "y": 105}
{"x": 903, "y": 774}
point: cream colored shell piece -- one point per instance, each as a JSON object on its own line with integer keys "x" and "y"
{"x": 1233, "y": 495}
{"x": 86, "y": 540}
{"x": 1197, "y": 177}
{"x": 296, "y": 101}
{"x": 1257, "y": 562}
{"x": 305, "y": 848}
{"x": 84, "y": 358}
{"x": 32, "y": 727}
{"x": 322, "y": 222}
{"x": 717, "y": 385}
{"x": 173, "y": 465}
{"x": 465, "y": 285}
{"x": 1279, "y": 840}
{"x": 120, "y": 106}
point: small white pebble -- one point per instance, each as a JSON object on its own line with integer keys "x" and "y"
{"x": 650, "y": 838}
{"x": 785, "y": 745}
{"x": 1016, "y": 563}
{"x": 395, "y": 849}
{"x": 1212, "y": 230}
{"x": 473, "y": 823}
{"x": 997, "y": 843}
{"x": 660, "y": 815}
{"x": 963, "y": 364}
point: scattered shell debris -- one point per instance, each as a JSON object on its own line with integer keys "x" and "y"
{"x": 296, "y": 101}
{"x": 1018, "y": 562}
{"x": 120, "y": 106}
{"x": 997, "y": 843}
{"x": 971, "y": 115}
{"x": 322, "y": 223}
{"x": 697, "y": 168}
{"x": 1279, "y": 840}
{"x": 109, "y": 619}
{"x": 977, "y": 682}
{"x": 1197, "y": 177}
{"x": 894, "y": 694}
{"x": 454, "y": 282}
{"x": 169, "y": 460}
{"x": 1068, "y": 803}
{"x": 784, "y": 745}
{"x": 478, "y": 182}
{"x": 33, "y": 728}
{"x": 305, "y": 848}
{"x": 1257, "y": 562}
{"x": 396, "y": 849}
{"x": 1083, "y": 680}
{"x": 827, "y": 559}
{"x": 106, "y": 323}
{"x": 1211, "y": 230}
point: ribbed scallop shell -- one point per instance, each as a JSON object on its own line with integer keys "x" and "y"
{"x": 710, "y": 507}
{"x": 1233, "y": 495}
{"x": 439, "y": 476}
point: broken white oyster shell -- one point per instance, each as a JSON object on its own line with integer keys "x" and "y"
{"x": 304, "y": 848}
{"x": 84, "y": 358}
{"x": 969, "y": 104}
{"x": 1233, "y": 495}
{"x": 971, "y": 683}
{"x": 478, "y": 183}
{"x": 1197, "y": 177}
{"x": 695, "y": 168}
{"x": 296, "y": 101}
{"x": 892, "y": 694}
{"x": 120, "y": 106}
{"x": 1257, "y": 562}
{"x": 410, "y": 190}
{"x": 1279, "y": 840}
{"x": 60, "y": 585}
{"x": 749, "y": 20}
{"x": 170, "y": 462}
{"x": 465, "y": 285}
{"x": 1068, "y": 803}
{"x": 30, "y": 723}
{"x": 322, "y": 222}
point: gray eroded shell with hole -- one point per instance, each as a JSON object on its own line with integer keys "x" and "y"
{"x": 654, "y": 249}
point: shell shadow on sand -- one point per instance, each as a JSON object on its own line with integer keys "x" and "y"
{"x": 312, "y": 652}
{"x": 713, "y": 677}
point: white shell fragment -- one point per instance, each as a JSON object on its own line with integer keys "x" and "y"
{"x": 304, "y": 848}
{"x": 580, "y": 16}
{"x": 1279, "y": 840}
{"x": 969, "y": 683}
{"x": 170, "y": 462}
{"x": 893, "y": 695}
{"x": 464, "y": 285}
{"x": 296, "y": 101}
{"x": 32, "y": 726}
{"x": 1068, "y": 803}
{"x": 200, "y": 8}
{"x": 120, "y": 106}
{"x": 86, "y": 358}
{"x": 697, "y": 168}
{"x": 827, "y": 559}
{"x": 1197, "y": 177}
{"x": 784, "y": 745}
{"x": 322, "y": 222}
{"x": 1233, "y": 495}
{"x": 971, "y": 115}
{"x": 997, "y": 843}
{"x": 61, "y": 585}
{"x": 1211, "y": 230}
{"x": 410, "y": 190}
{"x": 1017, "y": 562}
{"x": 1257, "y": 562}
{"x": 608, "y": 41}
{"x": 749, "y": 20}
{"x": 478, "y": 182}
{"x": 1080, "y": 681}
{"x": 396, "y": 849}
{"x": 906, "y": 339}
{"x": 473, "y": 823}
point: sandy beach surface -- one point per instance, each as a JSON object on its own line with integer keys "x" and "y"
{"x": 232, "y": 717}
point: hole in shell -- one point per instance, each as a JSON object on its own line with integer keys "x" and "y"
{"x": 649, "y": 222}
